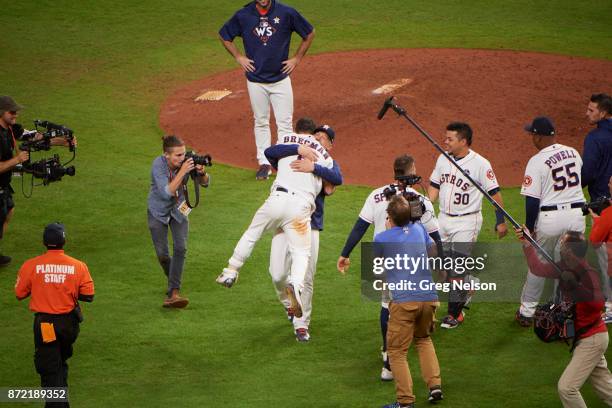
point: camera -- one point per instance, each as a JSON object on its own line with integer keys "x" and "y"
{"x": 51, "y": 130}
{"x": 49, "y": 170}
{"x": 596, "y": 205}
{"x": 205, "y": 160}
{"x": 415, "y": 201}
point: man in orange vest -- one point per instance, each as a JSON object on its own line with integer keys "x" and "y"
{"x": 55, "y": 282}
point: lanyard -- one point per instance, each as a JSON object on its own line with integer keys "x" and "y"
{"x": 170, "y": 177}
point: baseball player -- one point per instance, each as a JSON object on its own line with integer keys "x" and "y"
{"x": 266, "y": 27}
{"x": 289, "y": 207}
{"x": 280, "y": 261}
{"x": 374, "y": 211}
{"x": 553, "y": 201}
{"x": 460, "y": 205}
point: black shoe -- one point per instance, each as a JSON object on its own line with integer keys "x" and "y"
{"x": 4, "y": 260}
{"x": 264, "y": 171}
{"x": 435, "y": 394}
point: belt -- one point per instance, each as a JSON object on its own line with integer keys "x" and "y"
{"x": 282, "y": 189}
{"x": 461, "y": 215}
{"x": 557, "y": 207}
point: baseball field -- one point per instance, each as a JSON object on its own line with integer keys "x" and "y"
{"x": 106, "y": 68}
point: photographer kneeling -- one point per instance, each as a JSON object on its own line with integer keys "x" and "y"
{"x": 579, "y": 284}
{"x": 412, "y": 310}
{"x": 167, "y": 207}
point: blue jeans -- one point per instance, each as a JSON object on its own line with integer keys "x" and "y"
{"x": 172, "y": 266}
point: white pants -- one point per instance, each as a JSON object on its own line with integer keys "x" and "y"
{"x": 280, "y": 267}
{"x": 551, "y": 225}
{"x": 602, "y": 260}
{"x": 280, "y": 95}
{"x": 289, "y": 212}
{"x": 460, "y": 230}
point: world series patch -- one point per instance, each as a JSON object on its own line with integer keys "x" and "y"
{"x": 264, "y": 31}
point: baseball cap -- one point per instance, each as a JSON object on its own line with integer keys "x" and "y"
{"x": 54, "y": 235}
{"x": 542, "y": 126}
{"x": 327, "y": 129}
{"x": 8, "y": 104}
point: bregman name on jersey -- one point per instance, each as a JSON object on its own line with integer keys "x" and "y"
{"x": 297, "y": 139}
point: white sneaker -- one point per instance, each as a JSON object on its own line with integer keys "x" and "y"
{"x": 227, "y": 278}
{"x": 607, "y": 317}
{"x": 386, "y": 375}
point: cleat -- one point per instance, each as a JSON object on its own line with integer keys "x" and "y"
{"x": 607, "y": 317}
{"x": 296, "y": 307}
{"x": 386, "y": 374}
{"x": 398, "y": 405}
{"x": 4, "y": 260}
{"x": 449, "y": 322}
{"x": 302, "y": 335}
{"x": 435, "y": 394}
{"x": 523, "y": 321}
{"x": 264, "y": 171}
{"x": 227, "y": 278}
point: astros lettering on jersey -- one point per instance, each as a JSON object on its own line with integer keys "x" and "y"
{"x": 457, "y": 194}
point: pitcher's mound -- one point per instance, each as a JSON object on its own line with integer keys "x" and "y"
{"x": 496, "y": 92}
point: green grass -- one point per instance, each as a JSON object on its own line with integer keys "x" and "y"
{"x": 103, "y": 68}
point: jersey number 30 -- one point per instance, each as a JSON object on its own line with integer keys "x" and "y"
{"x": 462, "y": 198}
{"x": 567, "y": 178}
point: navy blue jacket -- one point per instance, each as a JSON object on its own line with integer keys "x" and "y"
{"x": 333, "y": 175}
{"x": 597, "y": 160}
{"x": 266, "y": 38}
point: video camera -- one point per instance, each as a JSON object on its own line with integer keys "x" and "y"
{"x": 49, "y": 170}
{"x": 415, "y": 201}
{"x": 51, "y": 130}
{"x": 596, "y": 205}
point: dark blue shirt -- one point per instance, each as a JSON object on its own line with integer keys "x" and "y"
{"x": 411, "y": 240}
{"x": 597, "y": 160}
{"x": 266, "y": 38}
{"x": 333, "y": 176}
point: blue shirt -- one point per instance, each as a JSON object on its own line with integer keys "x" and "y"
{"x": 333, "y": 175}
{"x": 266, "y": 38}
{"x": 161, "y": 204}
{"x": 597, "y": 160}
{"x": 411, "y": 240}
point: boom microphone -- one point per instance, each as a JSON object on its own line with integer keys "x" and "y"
{"x": 385, "y": 107}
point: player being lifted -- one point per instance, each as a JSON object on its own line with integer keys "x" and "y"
{"x": 375, "y": 212}
{"x": 460, "y": 205}
{"x": 289, "y": 207}
{"x": 553, "y": 198}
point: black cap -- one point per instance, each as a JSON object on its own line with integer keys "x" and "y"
{"x": 54, "y": 235}
{"x": 542, "y": 126}
{"x": 327, "y": 129}
{"x": 8, "y": 104}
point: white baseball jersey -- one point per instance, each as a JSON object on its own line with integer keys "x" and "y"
{"x": 374, "y": 211}
{"x": 553, "y": 176}
{"x": 306, "y": 184}
{"x": 457, "y": 194}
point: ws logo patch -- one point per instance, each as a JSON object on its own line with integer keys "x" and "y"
{"x": 264, "y": 31}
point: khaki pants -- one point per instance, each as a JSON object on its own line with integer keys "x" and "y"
{"x": 588, "y": 360}
{"x": 408, "y": 321}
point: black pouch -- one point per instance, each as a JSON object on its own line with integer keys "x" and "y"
{"x": 77, "y": 313}
{"x": 568, "y": 329}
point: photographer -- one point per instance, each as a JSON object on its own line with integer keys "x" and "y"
{"x": 10, "y": 133}
{"x": 578, "y": 283}
{"x": 167, "y": 207}
{"x": 55, "y": 283}
{"x": 412, "y": 310}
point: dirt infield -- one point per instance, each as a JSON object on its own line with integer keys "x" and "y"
{"x": 497, "y": 92}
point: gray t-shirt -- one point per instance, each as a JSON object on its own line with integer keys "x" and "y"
{"x": 161, "y": 204}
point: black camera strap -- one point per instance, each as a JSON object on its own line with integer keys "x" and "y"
{"x": 197, "y": 191}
